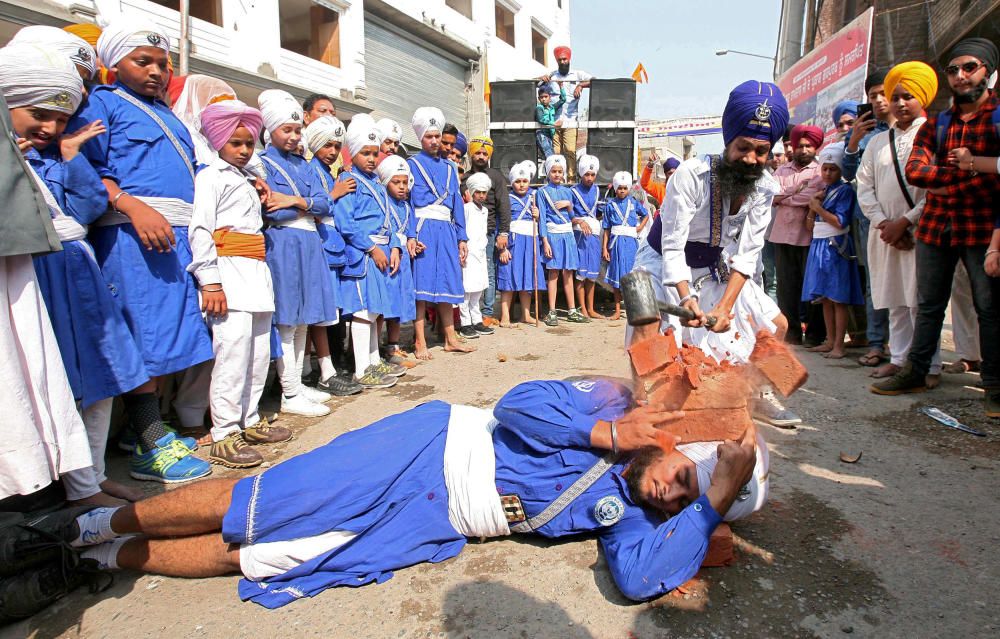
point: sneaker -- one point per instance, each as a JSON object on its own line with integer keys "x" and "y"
{"x": 468, "y": 332}
{"x": 302, "y": 405}
{"x": 385, "y": 368}
{"x": 904, "y": 381}
{"x": 234, "y": 452}
{"x": 769, "y": 409}
{"x": 169, "y": 462}
{"x": 576, "y": 317}
{"x": 315, "y": 395}
{"x": 339, "y": 386}
{"x": 311, "y": 378}
{"x": 128, "y": 439}
{"x": 266, "y": 433}
{"x": 483, "y": 329}
{"x": 992, "y": 401}
{"x": 30, "y": 592}
{"x": 373, "y": 379}
{"x": 551, "y": 319}
{"x": 29, "y": 542}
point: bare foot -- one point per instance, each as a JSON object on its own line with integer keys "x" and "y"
{"x": 825, "y": 347}
{"x": 528, "y": 319}
{"x": 616, "y": 316}
{"x": 509, "y": 324}
{"x": 835, "y": 353}
{"x": 100, "y": 499}
{"x": 421, "y": 352}
{"x": 595, "y": 315}
{"x": 122, "y": 491}
{"x": 885, "y": 370}
{"x": 457, "y": 347}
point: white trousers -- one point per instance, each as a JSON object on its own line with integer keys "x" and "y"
{"x": 86, "y": 482}
{"x": 902, "y": 320}
{"x": 191, "y": 394}
{"x": 241, "y": 342}
{"x": 469, "y": 309}
{"x": 293, "y": 350}
{"x": 964, "y": 320}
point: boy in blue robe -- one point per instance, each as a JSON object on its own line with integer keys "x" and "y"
{"x": 394, "y": 174}
{"x": 624, "y": 218}
{"x": 559, "y": 254}
{"x": 587, "y": 231}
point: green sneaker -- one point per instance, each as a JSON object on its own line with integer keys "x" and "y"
{"x": 551, "y": 319}
{"x": 385, "y": 368}
{"x": 374, "y": 379}
{"x": 576, "y": 317}
{"x": 170, "y": 462}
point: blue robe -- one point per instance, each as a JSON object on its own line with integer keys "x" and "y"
{"x": 586, "y": 203}
{"x": 390, "y": 490}
{"x": 828, "y": 274}
{"x": 333, "y": 241}
{"x": 159, "y": 296}
{"x": 404, "y": 295}
{"x": 100, "y": 354}
{"x": 564, "y": 255}
{"x": 621, "y": 212}
{"x": 437, "y": 273}
{"x": 517, "y": 274}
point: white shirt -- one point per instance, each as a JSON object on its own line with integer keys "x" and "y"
{"x": 687, "y": 216}
{"x": 475, "y": 276}
{"x": 224, "y": 196}
{"x": 570, "y": 80}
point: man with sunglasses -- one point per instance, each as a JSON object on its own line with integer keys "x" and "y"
{"x": 958, "y": 218}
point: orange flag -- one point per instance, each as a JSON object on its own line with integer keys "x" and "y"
{"x": 486, "y": 82}
{"x": 640, "y": 75}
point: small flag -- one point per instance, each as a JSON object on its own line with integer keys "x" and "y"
{"x": 486, "y": 82}
{"x": 640, "y": 75}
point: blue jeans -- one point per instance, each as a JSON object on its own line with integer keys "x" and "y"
{"x": 878, "y": 320}
{"x": 770, "y": 271}
{"x": 544, "y": 143}
{"x": 490, "y": 294}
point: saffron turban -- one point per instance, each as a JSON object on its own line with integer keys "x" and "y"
{"x": 705, "y": 456}
{"x": 462, "y": 143}
{"x": 560, "y": 52}
{"x": 588, "y": 164}
{"x": 622, "y": 178}
{"x": 481, "y": 142}
{"x": 555, "y": 160}
{"x": 220, "y": 119}
{"x": 479, "y": 182}
{"x": 33, "y": 76}
{"x": 278, "y": 107}
{"x": 842, "y": 107}
{"x": 756, "y": 110}
{"x": 427, "y": 119}
{"x": 361, "y": 132}
{"x": 832, "y": 154}
{"x": 917, "y": 78}
{"x": 392, "y": 166}
{"x": 671, "y": 164}
{"x": 389, "y": 129}
{"x": 812, "y": 133}
{"x": 89, "y": 33}
{"x": 122, "y": 37}
{"x": 322, "y": 130}
{"x": 74, "y": 47}
{"x": 522, "y": 171}
{"x": 980, "y": 48}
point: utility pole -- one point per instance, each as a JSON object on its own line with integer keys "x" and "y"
{"x": 184, "y": 48}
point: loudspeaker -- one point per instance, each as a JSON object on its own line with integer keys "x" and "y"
{"x": 614, "y": 148}
{"x": 612, "y": 100}
{"x": 511, "y": 146}
{"x": 513, "y": 101}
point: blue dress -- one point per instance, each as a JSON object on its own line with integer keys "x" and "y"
{"x": 525, "y": 266}
{"x": 100, "y": 354}
{"x": 437, "y": 273}
{"x": 586, "y": 203}
{"x": 562, "y": 242}
{"x": 303, "y": 290}
{"x": 390, "y": 490}
{"x": 365, "y": 219}
{"x": 829, "y": 274}
{"x": 403, "y": 296}
{"x": 622, "y": 248}
{"x": 159, "y": 297}
{"x": 333, "y": 241}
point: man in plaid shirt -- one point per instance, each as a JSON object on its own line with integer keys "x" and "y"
{"x": 958, "y": 218}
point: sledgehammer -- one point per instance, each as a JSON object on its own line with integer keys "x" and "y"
{"x": 641, "y": 305}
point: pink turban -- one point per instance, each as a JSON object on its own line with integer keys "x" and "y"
{"x": 812, "y": 133}
{"x": 220, "y": 119}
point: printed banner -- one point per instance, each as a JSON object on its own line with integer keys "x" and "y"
{"x": 651, "y": 129}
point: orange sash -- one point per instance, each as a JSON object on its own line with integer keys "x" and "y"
{"x": 232, "y": 244}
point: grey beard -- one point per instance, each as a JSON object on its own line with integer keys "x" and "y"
{"x": 737, "y": 180}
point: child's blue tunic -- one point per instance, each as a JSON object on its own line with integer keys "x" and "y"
{"x": 586, "y": 203}
{"x": 828, "y": 273}
{"x": 621, "y": 213}
{"x": 556, "y": 226}
{"x": 437, "y": 273}
{"x": 517, "y": 274}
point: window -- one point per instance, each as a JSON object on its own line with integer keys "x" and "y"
{"x": 310, "y": 30}
{"x": 462, "y": 6}
{"x": 207, "y": 10}
{"x": 539, "y": 46}
{"x": 505, "y": 24}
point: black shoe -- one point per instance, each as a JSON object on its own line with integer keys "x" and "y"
{"x": 905, "y": 381}
{"x": 38, "y": 540}
{"x": 31, "y": 591}
{"x": 468, "y": 332}
{"x": 483, "y": 329}
{"x": 339, "y": 386}
{"x": 312, "y": 378}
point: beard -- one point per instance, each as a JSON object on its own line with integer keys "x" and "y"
{"x": 737, "y": 179}
{"x": 643, "y": 459}
{"x": 970, "y": 96}
{"x": 563, "y": 69}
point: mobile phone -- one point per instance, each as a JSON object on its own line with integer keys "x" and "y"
{"x": 863, "y": 108}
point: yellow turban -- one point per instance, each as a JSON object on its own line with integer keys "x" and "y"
{"x": 87, "y": 31}
{"x": 917, "y": 78}
{"x": 479, "y": 142}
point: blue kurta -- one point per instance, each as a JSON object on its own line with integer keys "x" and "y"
{"x": 390, "y": 490}
{"x": 828, "y": 274}
{"x": 517, "y": 274}
{"x": 333, "y": 241}
{"x": 100, "y": 354}
{"x": 365, "y": 220}
{"x": 586, "y": 203}
{"x": 618, "y": 212}
{"x": 563, "y": 243}
{"x": 303, "y": 289}
{"x": 159, "y": 296}
{"x": 437, "y": 273}
{"x": 403, "y": 297}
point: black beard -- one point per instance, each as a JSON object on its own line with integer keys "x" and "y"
{"x": 641, "y": 461}
{"x": 738, "y": 179}
{"x": 971, "y": 96}
{"x": 563, "y": 69}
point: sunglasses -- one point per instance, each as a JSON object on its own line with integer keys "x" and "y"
{"x": 968, "y": 68}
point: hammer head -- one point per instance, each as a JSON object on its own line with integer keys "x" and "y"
{"x": 639, "y": 297}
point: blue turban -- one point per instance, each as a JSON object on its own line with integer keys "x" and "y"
{"x": 671, "y": 164}
{"x": 462, "y": 143}
{"x": 755, "y": 110}
{"x": 844, "y": 106}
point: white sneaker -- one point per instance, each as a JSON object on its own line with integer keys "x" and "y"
{"x": 315, "y": 395}
{"x": 302, "y": 405}
{"x": 769, "y": 409}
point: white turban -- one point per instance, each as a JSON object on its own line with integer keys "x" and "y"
{"x": 588, "y": 164}
{"x": 478, "y": 182}
{"x": 554, "y": 160}
{"x": 361, "y": 133}
{"x": 79, "y": 51}
{"x": 390, "y": 129}
{"x": 121, "y": 37}
{"x": 752, "y": 496}
{"x": 322, "y": 130}
{"x": 278, "y": 107}
{"x": 832, "y": 154}
{"x": 392, "y": 166}
{"x": 622, "y": 178}
{"x": 522, "y": 171}
{"x": 427, "y": 119}
{"x": 31, "y": 75}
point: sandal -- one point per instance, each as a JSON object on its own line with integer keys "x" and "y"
{"x": 961, "y": 366}
{"x": 885, "y": 370}
{"x": 871, "y": 358}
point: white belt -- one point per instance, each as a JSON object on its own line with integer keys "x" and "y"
{"x": 329, "y": 221}
{"x": 304, "y": 223}
{"x": 622, "y": 229}
{"x": 474, "y": 507}
{"x": 68, "y": 229}
{"x": 379, "y": 240}
{"x": 402, "y": 238}
{"x": 523, "y": 227}
{"x": 174, "y": 210}
{"x": 565, "y": 227}
{"x": 593, "y": 223}
{"x": 434, "y": 212}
